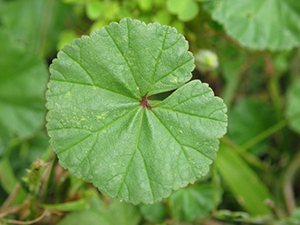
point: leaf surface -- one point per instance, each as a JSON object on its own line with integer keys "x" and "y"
{"x": 116, "y": 213}
{"x": 260, "y": 24}
{"x": 36, "y": 23}
{"x": 192, "y": 202}
{"x": 250, "y": 192}
{"x": 245, "y": 123}
{"x": 103, "y": 129}
{"x": 185, "y": 9}
{"x": 23, "y": 78}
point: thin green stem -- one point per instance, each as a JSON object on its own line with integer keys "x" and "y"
{"x": 264, "y": 135}
{"x": 45, "y": 23}
{"x": 288, "y": 183}
{"x": 275, "y": 93}
{"x": 268, "y": 132}
{"x": 216, "y": 184}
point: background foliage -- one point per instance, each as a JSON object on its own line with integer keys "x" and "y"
{"x": 253, "y": 64}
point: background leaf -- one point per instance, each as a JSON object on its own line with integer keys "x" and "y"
{"x": 116, "y": 213}
{"x": 244, "y": 123}
{"x": 36, "y": 23}
{"x": 260, "y": 24}
{"x": 185, "y": 9}
{"x": 248, "y": 189}
{"x": 23, "y": 82}
{"x": 192, "y": 202}
{"x": 155, "y": 213}
{"x": 293, "y": 102}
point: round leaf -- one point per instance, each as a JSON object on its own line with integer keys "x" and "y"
{"x": 104, "y": 129}
{"x": 185, "y": 9}
{"x": 260, "y": 24}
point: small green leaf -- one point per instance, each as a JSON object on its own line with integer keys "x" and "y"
{"x": 145, "y": 5}
{"x": 293, "y": 106}
{"x": 65, "y": 38}
{"x": 245, "y": 123}
{"x": 155, "y": 213}
{"x": 23, "y": 82}
{"x": 260, "y": 24}
{"x": 94, "y": 9}
{"x": 185, "y": 9}
{"x": 116, "y": 213}
{"x": 104, "y": 129}
{"x": 162, "y": 17}
{"x": 192, "y": 202}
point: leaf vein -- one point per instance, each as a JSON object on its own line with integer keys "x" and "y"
{"x": 94, "y": 132}
{"x": 178, "y": 142}
{"x": 125, "y": 59}
{"x": 158, "y": 58}
{"x": 133, "y": 154}
{"x": 101, "y": 88}
{"x": 176, "y": 68}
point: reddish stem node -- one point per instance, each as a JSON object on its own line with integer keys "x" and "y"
{"x": 145, "y": 102}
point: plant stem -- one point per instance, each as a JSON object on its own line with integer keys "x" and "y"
{"x": 273, "y": 85}
{"x": 263, "y": 135}
{"x": 268, "y": 132}
{"x": 215, "y": 182}
{"x": 274, "y": 89}
{"x": 45, "y": 23}
{"x": 45, "y": 213}
{"x": 11, "y": 197}
{"x": 288, "y": 183}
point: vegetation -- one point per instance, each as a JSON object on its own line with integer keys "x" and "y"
{"x": 130, "y": 130}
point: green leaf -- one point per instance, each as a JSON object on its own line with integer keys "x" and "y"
{"x": 9, "y": 181}
{"x": 260, "y": 24}
{"x": 123, "y": 213}
{"x": 296, "y": 215}
{"x": 248, "y": 189}
{"x": 65, "y": 38}
{"x": 185, "y": 9}
{"x": 192, "y": 202}
{"x": 293, "y": 106}
{"x": 23, "y": 82}
{"x": 155, "y": 213}
{"x": 245, "y": 123}
{"x": 117, "y": 213}
{"x": 162, "y": 17}
{"x": 102, "y": 126}
{"x": 145, "y": 5}
{"x": 36, "y": 23}
{"x": 94, "y": 9}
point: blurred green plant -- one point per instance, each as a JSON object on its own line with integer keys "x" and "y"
{"x": 257, "y": 168}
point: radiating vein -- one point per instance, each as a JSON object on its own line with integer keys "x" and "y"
{"x": 90, "y": 85}
{"x": 122, "y": 117}
{"x": 178, "y": 142}
{"x": 125, "y": 59}
{"x": 131, "y": 159}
